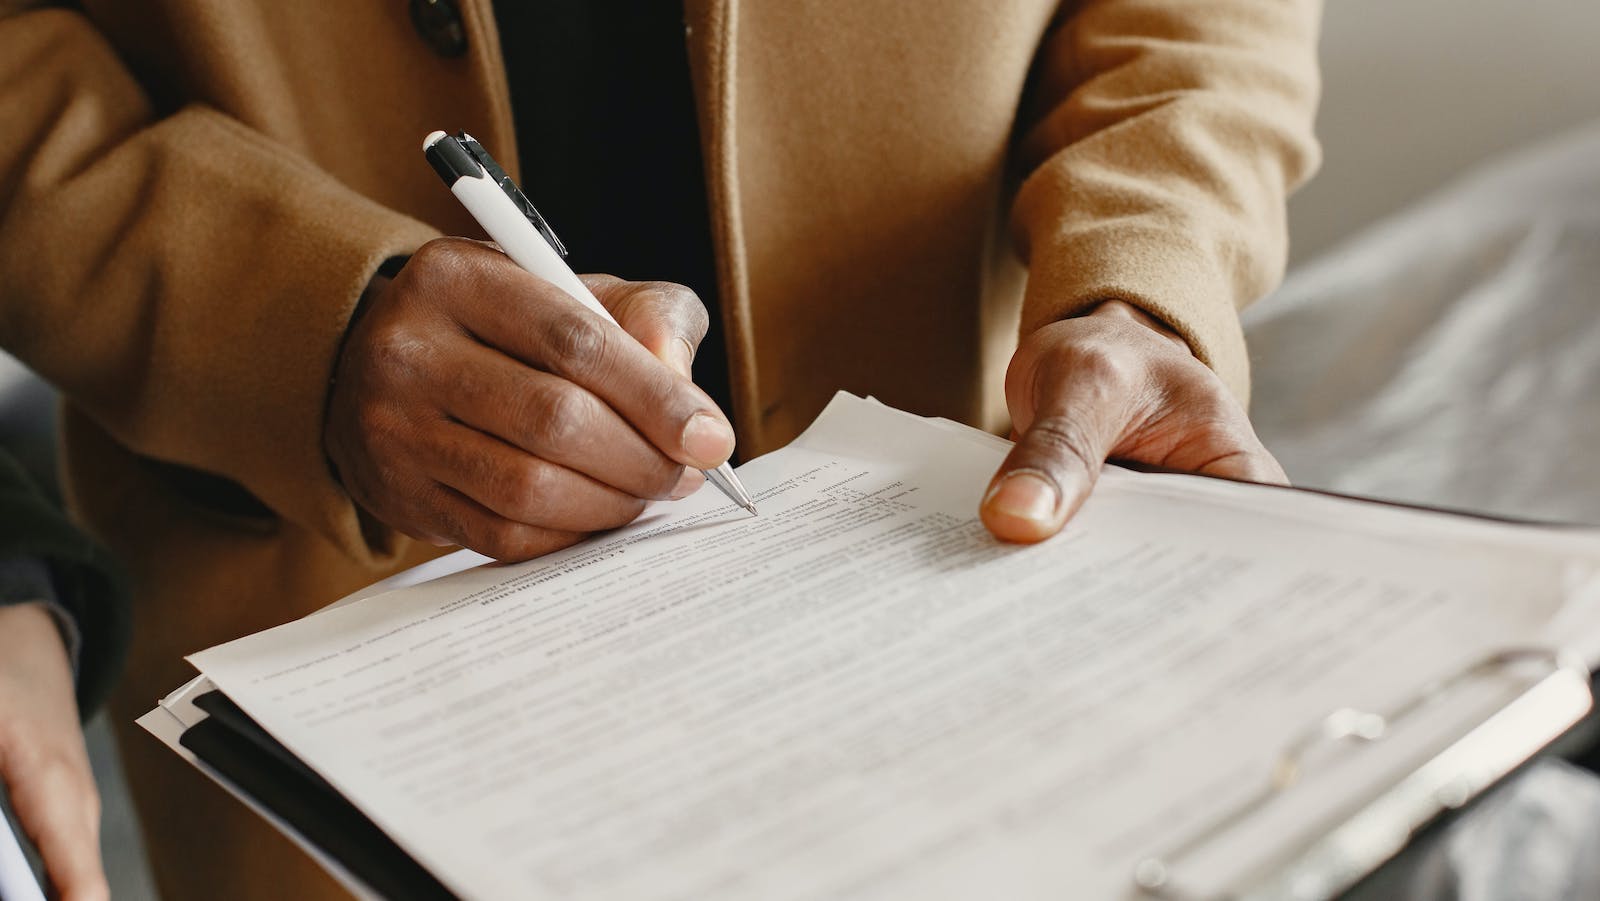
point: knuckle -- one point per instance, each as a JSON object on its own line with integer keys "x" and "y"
{"x": 1111, "y": 365}
{"x": 504, "y": 540}
{"x": 437, "y": 518}
{"x": 523, "y": 486}
{"x": 1061, "y": 436}
{"x": 378, "y": 423}
{"x": 601, "y": 283}
{"x": 446, "y": 251}
{"x": 399, "y": 353}
{"x": 685, "y": 308}
{"x": 1101, "y": 378}
{"x": 436, "y": 262}
{"x": 559, "y": 416}
{"x": 431, "y": 254}
{"x": 575, "y": 340}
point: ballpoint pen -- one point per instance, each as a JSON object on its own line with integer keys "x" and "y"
{"x": 511, "y": 220}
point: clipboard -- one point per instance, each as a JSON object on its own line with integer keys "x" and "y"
{"x": 1559, "y": 694}
{"x": 1341, "y": 828}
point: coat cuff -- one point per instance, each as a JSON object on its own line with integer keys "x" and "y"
{"x": 324, "y": 268}
{"x": 1155, "y": 269}
{"x": 25, "y": 579}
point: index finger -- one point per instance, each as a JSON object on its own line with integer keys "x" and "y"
{"x": 58, "y": 809}
{"x": 667, "y": 318}
{"x": 539, "y": 324}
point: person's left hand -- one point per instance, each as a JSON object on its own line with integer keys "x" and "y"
{"x": 1111, "y": 384}
{"x": 43, "y": 763}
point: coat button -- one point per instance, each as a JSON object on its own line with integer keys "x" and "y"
{"x": 439, "y": 23}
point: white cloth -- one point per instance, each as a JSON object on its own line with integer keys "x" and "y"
{"x": 1451, "y": 354}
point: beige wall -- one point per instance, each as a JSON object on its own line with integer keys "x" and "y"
{"x": 1418, "y": 90}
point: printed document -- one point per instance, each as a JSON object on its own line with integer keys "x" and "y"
{"x": 861, "y": 694}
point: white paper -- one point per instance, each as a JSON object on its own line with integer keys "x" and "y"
{"x": 16, "y": 876}
{"x": 859, "y": 694}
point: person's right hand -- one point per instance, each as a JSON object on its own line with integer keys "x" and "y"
{"x": 43, "y": 764}
{"x": 476, "y": 404}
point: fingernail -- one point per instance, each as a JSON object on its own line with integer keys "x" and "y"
{"x": 1025, "y": 495}
{"x": 439, "y": 542}
{"x": 688, "y": 483}
{"x": 707, "y": 440}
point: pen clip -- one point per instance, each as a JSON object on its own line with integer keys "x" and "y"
{"x": 523, "y": 204}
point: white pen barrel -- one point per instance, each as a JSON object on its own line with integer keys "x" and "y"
{"x": 518, "y": 238}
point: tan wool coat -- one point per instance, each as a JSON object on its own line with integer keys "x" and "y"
{"x": 193, "y": 194}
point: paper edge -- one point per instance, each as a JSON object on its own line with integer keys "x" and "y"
{"x": 167, "y": 728}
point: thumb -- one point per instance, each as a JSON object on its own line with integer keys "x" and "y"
{"x": 1057, "y": 459}
{"x": 668, "y": 319}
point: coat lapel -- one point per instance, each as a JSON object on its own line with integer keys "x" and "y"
{"x": 489, "y": 72}
{"x": 713, "y": 63}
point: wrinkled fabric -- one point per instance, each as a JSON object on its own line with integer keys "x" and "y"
{"x": 1537, "y": 841}
{"x": 1534, "y": 838}
{"x": 1450, "y": 356}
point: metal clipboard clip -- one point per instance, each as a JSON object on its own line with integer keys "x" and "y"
{"x": 1558, "y": 696}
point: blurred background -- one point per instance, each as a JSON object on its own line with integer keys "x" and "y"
{"x": 1438, "y": 338}
{"x": 1493, "y": 285}
{"x": 1418, "y": 92}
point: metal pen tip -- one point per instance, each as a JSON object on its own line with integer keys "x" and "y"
{"x": 729, "y": 485}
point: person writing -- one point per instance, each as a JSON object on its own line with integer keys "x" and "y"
{"x": 284, "y": 359}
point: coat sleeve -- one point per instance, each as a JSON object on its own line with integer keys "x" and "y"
{"x": 1163, "y": 140}
{"x": 52, "y": 562}
{"x": 183, "y": 280}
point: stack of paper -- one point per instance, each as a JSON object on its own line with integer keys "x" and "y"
{"x": 860, "y": 694}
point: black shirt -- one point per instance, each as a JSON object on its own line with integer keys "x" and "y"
{"x": 610, "y": 146}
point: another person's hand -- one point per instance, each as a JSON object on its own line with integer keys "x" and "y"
{"x": 1112, "y": 384}
{"x": 43, "y": 763}
{"x": 478, "y": 405}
